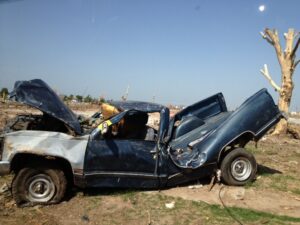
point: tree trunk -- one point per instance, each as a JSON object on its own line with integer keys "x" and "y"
{"x": 285, "y": 96}
{"x": 288, "y": 64}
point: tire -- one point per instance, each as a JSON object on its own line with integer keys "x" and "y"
{"x": 238, "y": 167}
{"x": 39, "y": 184}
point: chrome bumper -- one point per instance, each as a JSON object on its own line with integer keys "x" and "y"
{"x": 4, "y": 168}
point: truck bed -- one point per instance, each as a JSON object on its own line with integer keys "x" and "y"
{"x": 209, "y": 124}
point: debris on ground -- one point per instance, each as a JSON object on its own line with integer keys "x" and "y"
{"x": 85, "y": 218}
{"x": 4, "y": 188}
{"x": 195, "y": 186}
{"x": 170, "y": 205}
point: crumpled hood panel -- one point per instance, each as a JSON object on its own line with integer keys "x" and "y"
{"x": 38, "y": 94}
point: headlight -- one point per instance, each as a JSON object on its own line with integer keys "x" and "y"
{"x": 202, "y": 158}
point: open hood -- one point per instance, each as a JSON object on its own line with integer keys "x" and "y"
{"x": 38, "y": 94}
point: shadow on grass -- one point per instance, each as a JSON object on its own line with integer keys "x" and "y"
{"x": 126, "y": 191}
{"x": 264, "y": 170}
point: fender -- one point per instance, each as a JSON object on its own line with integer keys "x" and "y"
{"x": 44, "y": 143}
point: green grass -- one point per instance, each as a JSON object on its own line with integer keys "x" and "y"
{"x": 296, "y": 191}
{"x": 287, "y": 181}
{"x": 129, "y": 196}
{"x": 248, "y": 215}
{"x": 192, "y": 212}
{"x": 277, "y": 182}
{"x": 284, "y": 183}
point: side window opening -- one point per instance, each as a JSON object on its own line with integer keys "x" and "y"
{"x": 135, "y": 125}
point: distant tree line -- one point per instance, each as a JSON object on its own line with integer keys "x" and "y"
{"x": 80, "y": 98}
{"x": 4, "y": 93}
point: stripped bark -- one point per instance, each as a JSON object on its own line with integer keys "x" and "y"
{"x": 287, "y": 61}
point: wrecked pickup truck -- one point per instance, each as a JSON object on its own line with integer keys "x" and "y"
{"x": 50, "y": 151}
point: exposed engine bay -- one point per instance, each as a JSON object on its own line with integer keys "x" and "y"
{"x": 132, "y": 126}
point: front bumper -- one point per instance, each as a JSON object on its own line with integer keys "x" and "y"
{"x": 4, "y": 168}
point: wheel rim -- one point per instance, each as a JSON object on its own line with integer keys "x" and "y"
{"x": 41, "y": 188}
{"x": 241, "y": 169}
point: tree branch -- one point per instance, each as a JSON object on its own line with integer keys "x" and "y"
{"x": 289, "y": 42}
{"x": 273, "y": 36}
{"x": 295, "y": 48}
{"x": 264, "y": 36}
{"x": 296, "y": 63}
{"x": 265, "y": 72}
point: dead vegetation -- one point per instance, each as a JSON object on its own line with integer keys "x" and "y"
{"x": 288, "y": 62}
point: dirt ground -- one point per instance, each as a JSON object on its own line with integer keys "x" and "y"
{"x": 276, "y": 191}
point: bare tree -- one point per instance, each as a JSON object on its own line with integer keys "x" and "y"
{"x": 287, "y": 61}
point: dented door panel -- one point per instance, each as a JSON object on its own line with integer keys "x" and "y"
{"x": 121, "y": 162}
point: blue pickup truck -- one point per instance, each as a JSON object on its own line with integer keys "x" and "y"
{"x": 49, "y": 152}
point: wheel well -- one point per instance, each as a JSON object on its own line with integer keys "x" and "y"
{"x": 25, "y": 159}
{"x": 239, "y": 141}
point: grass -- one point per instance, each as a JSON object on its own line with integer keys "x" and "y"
{"x": 277, "y": 182}
{"x": 145, "y": 208}
{"x": 192, "y": 212}
{"x": 276, "y": 170}
{"x": 285, "y": 183}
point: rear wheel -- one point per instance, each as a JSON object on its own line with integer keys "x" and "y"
{"x": 238, "y": 167}
{"x": 39, "y": 184}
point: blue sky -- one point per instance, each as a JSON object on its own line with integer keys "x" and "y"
{"x": 178, "y": 50}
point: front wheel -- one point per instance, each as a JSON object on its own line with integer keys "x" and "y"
{"x": 39, "y": 185}
{"x": 238, "y": 167}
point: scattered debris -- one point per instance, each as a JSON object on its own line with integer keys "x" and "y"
{"x": 293, "y": 162}
{"x": 216, "y": 178}
{"x": 4, "y": 188}
{"x": 218, "y": 175}
{"x": 170, "y": 205}
{"x": 85, "y": 218}
{"x": 212, "y": 183}
{"x": 195, "y": 186}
